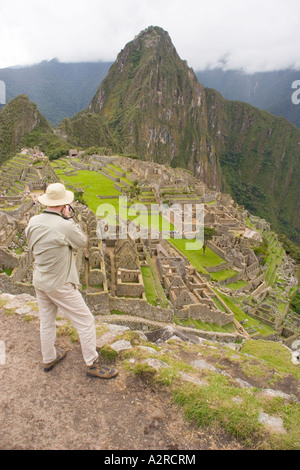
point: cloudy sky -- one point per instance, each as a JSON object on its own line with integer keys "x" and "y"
{"x": 253, "y": 35}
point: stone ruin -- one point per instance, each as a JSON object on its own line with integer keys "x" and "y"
{"x": 189, "y": 294}
{"x": 110, "y": 270}
{"x": 129, "y": 276}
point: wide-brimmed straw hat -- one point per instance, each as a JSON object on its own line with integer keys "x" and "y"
{"x": 56, "y": 195}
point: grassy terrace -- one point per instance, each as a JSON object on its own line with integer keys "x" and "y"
{"x": 92, "y": 182}
{"x": 200, "y": 325}
{"x": 96, "y": 184}
{"x": 13, "y": 170}
{"x": 194, "y": 253}
{"x": 222, "y": 275}
{"x": 252, "y": 323}
{"x": 210, "y": 259}
{"x": 153, "y": 290}
{"x": 274, "y": 259}
{"x": 276, "y": 254}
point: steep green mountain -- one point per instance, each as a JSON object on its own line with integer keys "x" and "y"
{"x": 21, "y": 124}
{"x": 153, "y": 105}
{"x": 259, "y": 155}
{"x": 59, "y": 89}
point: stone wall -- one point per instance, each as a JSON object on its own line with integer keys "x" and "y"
{"x": 19, "y": 212}
{"x": 205, "y": 314}
{"x": 8, "y": 260}
{"x": 216, "y": 249}
{"x": 102, "y": 303}
{"x": 8, "y": 285}
{"x": 216, "y": 269}
{"x": 24, "y": 261}
{"x": 141, "y": 308}
{"x": 98, "y": 302}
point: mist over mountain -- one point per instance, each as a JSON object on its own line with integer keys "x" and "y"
{"x": 270, "y": 91}
{"x": 63, "y": 89}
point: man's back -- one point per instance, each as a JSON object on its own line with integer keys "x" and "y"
{"x": 52, "y": 240}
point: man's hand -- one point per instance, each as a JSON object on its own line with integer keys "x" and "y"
{"x": 66, "y": 212}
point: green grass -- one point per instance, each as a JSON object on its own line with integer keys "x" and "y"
{"x": 6, "y": 271}
{"x": 195, "y": 256}
{"x": 95, "y": 184}
{"x": 220, "y": 404}
{"x": 219, "y": 304}
{"x": 200, "y": 325}
{"x": 136, "y": 213}
{"x": 149, "y": 285}
{"x": 154, "y": 292}
{"x": 148, "y": 219}
{"x": 239, "y": 315}
{"x": 274, "y": 354}
{"x": 92, "y": 182}
{"x": 115, "y": 167}
{"x": 222, "y": 275}
{"x": 274, "y": 259}
{"x": 237, "y": 285}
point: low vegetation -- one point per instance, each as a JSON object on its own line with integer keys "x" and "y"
{"x": 213, "y": 399}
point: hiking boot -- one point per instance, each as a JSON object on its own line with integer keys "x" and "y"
{"x": 101, "y": 372}
{"x": 60, "y": 355}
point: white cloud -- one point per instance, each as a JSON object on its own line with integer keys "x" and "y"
{"x": 248, "y": 34}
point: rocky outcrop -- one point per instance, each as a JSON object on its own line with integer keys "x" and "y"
{"x": 18, "y": 118}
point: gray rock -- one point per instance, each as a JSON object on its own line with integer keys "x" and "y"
{"x": 155, "y": 363}
{"x": 19, "y": 301}
{"x": 243, "y": 383}
{"x": 202, "y": 365}
{"x": 276, "y": 393}
{"x": 194, "y": 380}
{"x": 275, "y": 423}
{"x": 121, "y": 345}
{"x": 164, "y": 334}
{"x": 149, "y": 350}
{"x": 106, "y": 338}
{"x": 117, "y": 328}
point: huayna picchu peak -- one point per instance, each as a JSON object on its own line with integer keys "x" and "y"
{"x": 154, "y": 107}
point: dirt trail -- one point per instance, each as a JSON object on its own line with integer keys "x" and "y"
{"x": 66, "y": 410}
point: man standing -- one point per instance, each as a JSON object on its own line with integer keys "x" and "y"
{"x": 53, "y": 236}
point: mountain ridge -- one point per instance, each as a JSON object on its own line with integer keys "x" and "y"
{"x": 269, "y": 91}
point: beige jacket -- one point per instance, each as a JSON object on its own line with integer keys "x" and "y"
{"x": 53, "y": 240}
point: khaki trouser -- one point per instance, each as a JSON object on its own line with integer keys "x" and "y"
{"x": 69, "y": 300}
